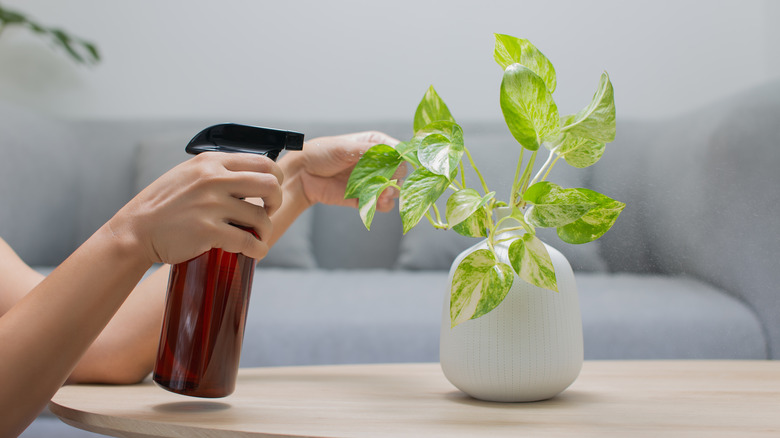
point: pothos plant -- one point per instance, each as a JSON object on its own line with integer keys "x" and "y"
{"x": 436, "y": 154}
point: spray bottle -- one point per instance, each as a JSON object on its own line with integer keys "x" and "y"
{"x": 208, "y": 296}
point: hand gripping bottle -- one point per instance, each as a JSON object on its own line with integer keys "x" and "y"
{"x": 208, "y": 296}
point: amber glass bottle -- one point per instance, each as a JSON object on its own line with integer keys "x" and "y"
{"x": 205, "y": 312}
{"x": 208, "y": 296}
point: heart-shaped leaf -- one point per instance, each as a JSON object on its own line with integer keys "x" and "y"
{"x": 529, "y": 110}
{"x": 431, "y": 109}
{"x": 587, "y": 154}
{"x": 441, "y": 153}
{"x": 408, "y": 152}
{"x": 553, "y": 206}
{"x": 537, "y": 191}
{"x": 580, "y": 152}
{"x": 420, "y": 190}
{"x": 474, "y": 225}
{"x": 597, "y": 120}
{"x": 379, "y": 160}
{"x": 369, "y": 195}
{"x": 464, "y": 203}
{"x": 595, "y": 222}
{"x": 511, "y": 50}
{"x": 479, "y": 285}
{"x": 532, "y": 263}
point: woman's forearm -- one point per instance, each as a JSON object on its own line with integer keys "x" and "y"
{"x": 294, "y": 199}
{"x": 49, "y": 329}
{"x": 125, "y": 351}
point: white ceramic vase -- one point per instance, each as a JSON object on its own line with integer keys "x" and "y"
{"x": 528, "y": 348}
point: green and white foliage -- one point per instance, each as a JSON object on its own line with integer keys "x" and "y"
{"x": 436, "y": 153}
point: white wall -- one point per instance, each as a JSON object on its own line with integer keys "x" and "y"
{"x": 368, "y": 60}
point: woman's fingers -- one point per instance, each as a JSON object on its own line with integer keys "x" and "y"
{"x": 236, "y": 240}
{"x": 249, "y": 215}
{"x": 240, "y": 162}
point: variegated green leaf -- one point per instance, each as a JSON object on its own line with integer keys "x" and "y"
{"x": 579, "y": 152}
{"x": 529, "y": 110}
{"x": 408, "y": 152}
{"x": 553, "y": 206}
{"x": 369, "y": 195}
{"x": 463, "y": 204}
{"x": 480, "y": 283}
{"x": 511, "y": 50}
{"x": 474, "y": 225}
{"x": 451, "y": 130}
{"x": 420, "y": 190}
{"x": 431, "y": 109}
{"x": 379, "y": 160}
{"x": 532, "y": 263}
{"x": 537, "y": 191}
{"x": 595, "y": 223}
{"x": 597, "y": 120}
{"x": 441, "y": 154}
{"x": 587, "y": 153}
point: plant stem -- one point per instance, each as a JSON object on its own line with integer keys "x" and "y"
{"x": 557, "y": 157}
{"x": 462, "y": 174}
{"x": 430, "y": 219}
{"x": 434, "y": 224}
{"x": 507, "y": 239}
{"x": 438, "y": 216}
{"x": 491, "y": 231}
{"x": 527, "y": 172}
{"x": 516, "y": 182}
{"x": 543, "y": 168}
{"x": 474, "y": 166}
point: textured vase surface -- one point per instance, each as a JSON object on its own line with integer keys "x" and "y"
{"x": 528, "y": 348}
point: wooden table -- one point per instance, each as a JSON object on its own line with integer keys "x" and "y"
{"x": 610, "y": 398}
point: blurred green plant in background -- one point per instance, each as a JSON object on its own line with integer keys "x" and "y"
{"x": 79, "y": 50}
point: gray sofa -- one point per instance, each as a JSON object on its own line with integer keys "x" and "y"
{"x": 690, "y": 270}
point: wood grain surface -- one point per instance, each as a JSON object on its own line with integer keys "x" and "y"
{"x": 609, "y": 399}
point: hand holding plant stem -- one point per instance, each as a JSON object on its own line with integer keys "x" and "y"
{"x": 436, "y": 152}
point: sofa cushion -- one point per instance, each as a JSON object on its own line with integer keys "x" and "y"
{"x": 341, "y": 241}
{"x": 365, "y": 316}
{"x": 622, "y": 174}
{"x": 327, "y": 316}
{"x": 635, "y": 316}
{"x": 496, "y": 153}
{"x": 157, "y": 155}
{"x": 39, "y": 181}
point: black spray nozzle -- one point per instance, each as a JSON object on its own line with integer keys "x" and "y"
{"x": 230, "y": 137}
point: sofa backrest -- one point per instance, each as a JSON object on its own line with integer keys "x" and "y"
{"x": 84, "y": 171}
{"x": 334, "y": 237}
{"x": 39, "y": 185}
{"x": 706, "y": 193}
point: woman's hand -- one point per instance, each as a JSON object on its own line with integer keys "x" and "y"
{"x": 189, "y": 210}
{"x": 324, "y": 166}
